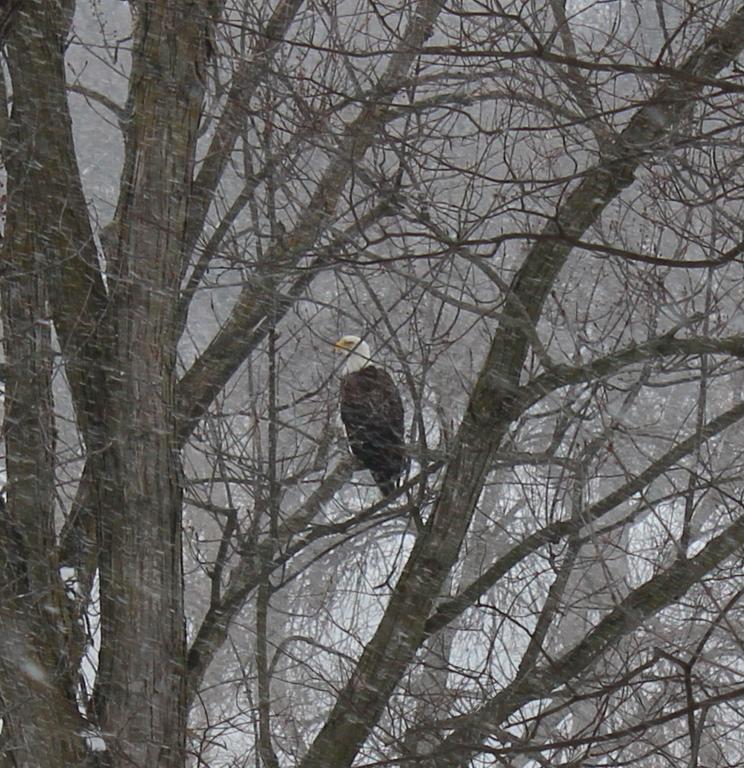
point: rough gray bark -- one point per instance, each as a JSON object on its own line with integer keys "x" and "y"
{"x": 43, "y": 727}
{"x": 140, "y": 696}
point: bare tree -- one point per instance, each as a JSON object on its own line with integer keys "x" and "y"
{"x": 532, "y": 211}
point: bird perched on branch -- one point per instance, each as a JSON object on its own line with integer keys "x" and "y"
{"x": 372, "y": 413}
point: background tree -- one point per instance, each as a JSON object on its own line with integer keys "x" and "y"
{"x": 533, "y": 213}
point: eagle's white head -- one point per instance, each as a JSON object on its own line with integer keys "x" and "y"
{"x": 357, "y": 353}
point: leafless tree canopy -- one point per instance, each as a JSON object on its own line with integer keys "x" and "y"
{"x": 532, "y": 211}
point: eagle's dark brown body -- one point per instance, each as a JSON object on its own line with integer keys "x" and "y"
{"x": 372, "y": 412}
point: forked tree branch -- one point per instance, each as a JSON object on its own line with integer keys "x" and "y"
{"x": 659, "y": 347}
{"x": 251, "y": 72}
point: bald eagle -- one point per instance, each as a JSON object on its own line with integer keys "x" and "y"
{"x": 372, "y": 412}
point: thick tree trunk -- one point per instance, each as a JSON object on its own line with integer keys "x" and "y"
{"x": 41, "y": 723}
{"x": 141, "y": 693}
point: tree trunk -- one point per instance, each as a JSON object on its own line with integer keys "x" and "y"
{"x": 41, "y": 723}
{"x": 140, "y": 696}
